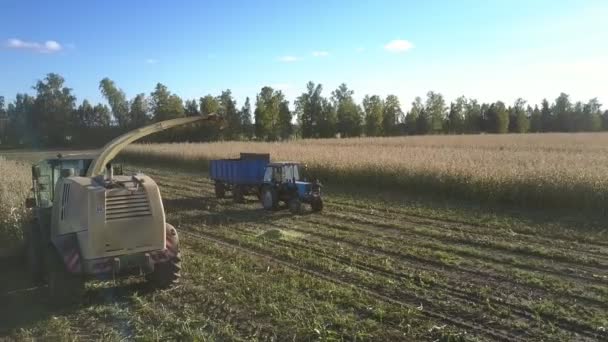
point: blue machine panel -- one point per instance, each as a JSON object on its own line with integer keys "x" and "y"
{"x": 246, "y": 170}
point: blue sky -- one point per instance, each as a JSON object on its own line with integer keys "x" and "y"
{"x": 488, "y": 50}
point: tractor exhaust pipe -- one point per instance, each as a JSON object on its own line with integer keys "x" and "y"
{"x": 109, "y": 173}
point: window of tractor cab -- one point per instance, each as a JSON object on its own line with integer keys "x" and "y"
{"x": 292, "y": 173}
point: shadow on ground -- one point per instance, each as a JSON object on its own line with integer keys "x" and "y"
{"x": 24, "y": 304}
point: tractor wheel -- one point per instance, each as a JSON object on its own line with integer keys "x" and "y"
{"x": 220, "y": 190}
{"x": 237, "y": 194}
{"x": 317, "y": 204}
{"x": 166, "y": 274}
{"x": 64, "y": 287}
{"x": 294, "y": 205}
{"x": 34, "y": 250}
{"x": 270, "y": 198}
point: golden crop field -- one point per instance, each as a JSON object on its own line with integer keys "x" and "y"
{"x": 14, "y": 188}
{"x": 541, "y": 170}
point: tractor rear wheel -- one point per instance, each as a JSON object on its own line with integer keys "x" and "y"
{"x": 34, "y": 250}
{"x": 220, "y": 190}
{"x": 166, "y": 274}
{"x": 270, "y": 198}
{"x": 237, "y": 194}
{"x": 317, "y": 204}
{"x": 294, "y": 205}
{"x": 63, "y": 287}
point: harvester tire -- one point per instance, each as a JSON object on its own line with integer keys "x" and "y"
{"x": 166, "y": 274}
{"x": 270, "y": 198}
{"x": 64, "y": 288}
{"x": 220, "y": 190}
{"x": 317, "y": 204}
{"x": 34, "y": 250}
{"x": 294, "y": 205}
{"x": 237, "y": 194}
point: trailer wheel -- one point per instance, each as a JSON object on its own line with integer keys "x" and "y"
{"x": 317, "y": 204}
{"x": 34, "y": 250}
{"x": 294, "y": 205}
{"x": 64, "y": 288}
{"x": 237, "y": 194}
{"x": 270, "y": 198}
{"x": 220, "y": 190}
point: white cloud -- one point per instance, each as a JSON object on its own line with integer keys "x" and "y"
{"x": 50, "y": 46}
{"x": 151, "y": 61}
{"x": 288, "y": 59}
{"x": 320, "y": 53}
{"x": 398, "y": 45}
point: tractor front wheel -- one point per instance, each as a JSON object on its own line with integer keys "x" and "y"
{"x": 167, "y": 273}
{"x": 64, "y": 287}
{"x": 270, "y": 198}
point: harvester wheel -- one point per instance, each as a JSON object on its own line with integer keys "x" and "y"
{"x": 166, "y": 274}
{"x": 317, "y": 204}
{"x": 294, "y": 205}
{"x": 237, "y": 194}
{"x": 34, "y": 250}
{"x": 270, "y": 198}
{"x": 64, "y": 287}
{"x": 220, "y": 190}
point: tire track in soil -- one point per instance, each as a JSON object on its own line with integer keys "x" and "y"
{"x": 450, "y": 288}
{"x": 446, "y": 242}
{"x": 587, "y": 250}
{"x": 496, "y": 335}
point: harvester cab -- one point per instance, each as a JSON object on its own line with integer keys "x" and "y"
{"x": 93, "y": 223}
{"x": 282, "y": 182}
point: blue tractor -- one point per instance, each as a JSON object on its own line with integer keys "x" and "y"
{"x": 282, "y": 184}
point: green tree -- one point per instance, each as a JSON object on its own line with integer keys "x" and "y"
{"x": 267, "y": 114}
{"x": 472, "y": 117}
{"x": 246, "y": 121}
{"x": 546, "y": 117}
{"x": 88, "y": 116}
{"x": 424, "y": 122}
{"x": 309, "y": 108}
{"x": 139, "y": 113}
{"x": 455, "y": 119}
{"x": 536, "y": 120}
{"x": 117, "y": 100}
{"x": 412, "y": 117}
{"x": 191, "y": 108}
{"x": 164, "y": 105}
{"x": 435, "y": 108}
{"x": 391, "y": 115}
{"x": 209, "y": 104}
{"x": 498, "y": 118}
{"x": 374, "y": 110}
{"x": 21, "y": 120}
{"x": 348, "y": 114}
{"x": 52, "y": 111}
{"x": 562, "y": 109}
{"x": 232, "y": 118}
{"x": 592, "y": 115}
{"x": 522, "y": 122}
{"x": 605, "y": 120}
{"x": 285, "y": 117}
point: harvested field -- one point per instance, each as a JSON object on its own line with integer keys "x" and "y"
{"x": 559, "y": 171}
{"x": 365, "y": 268}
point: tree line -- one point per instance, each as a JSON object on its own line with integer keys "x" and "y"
{"x": 51, "y": 117}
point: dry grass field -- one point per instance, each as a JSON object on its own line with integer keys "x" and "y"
{"x": 533, "y": 170}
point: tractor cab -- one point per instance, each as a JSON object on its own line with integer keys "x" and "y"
{"x": 282, "y": 182}
{"x": 46, "y": 173}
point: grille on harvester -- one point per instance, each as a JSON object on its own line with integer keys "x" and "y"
{"x": 123, "y": 205}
